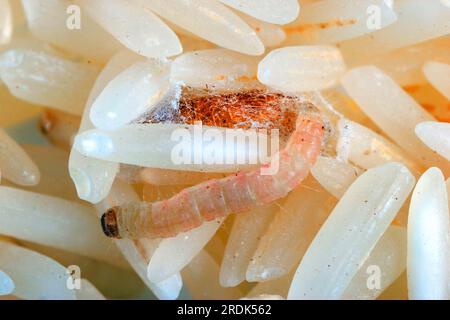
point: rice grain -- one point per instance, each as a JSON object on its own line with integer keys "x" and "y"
{"x": 302, "y": 68}
{"x": 272, "y": 11}
{"x": 209, "y": 20}
{"x": 15, "y": 163}
{"x": 439, "y": 75}
{"x": 132, "y": 93}
{"x": 350, "y": 233}
{"x": 136, "y": 27}
{"x": 428, "y": 239}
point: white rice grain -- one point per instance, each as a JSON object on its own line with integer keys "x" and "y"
{"x": 36, "y": 277}
{"x": 428, "y": 239}
{"x": 302, "y": 68}
{"x": 367, "y": 149}
{"x": 272, "y": 11}
{"x": 15, "y": 164}
{"x": 173, "y": 254}
{"x": 386, "y": 263}
{"x": 436, "y": 135}
{"x": 270, "y": 35}
{"x": 405, "y": 65}
{"x": 332, "y": 21}
{"x": 158, "y": 146}
{"x": 56, "y": 22}
{"x": 418, "y": 21}
{"x": 334, "y": 175}
{"x": 247, "y": 230}
{"x": 392, "y": 109}
{"x": 132, "y": 93}
{"x": 209, "y": 20}
{"x": 351, "y": 231}
{"x": 41, "y": 78}
{"x": 92, "y": 177}
{"x": 134, "y": 26}
{"x": 438, "y": 74}
{"x": 7, "y": 285}
{"x": 291, "y": 232}
{"x": 219, "y": 68}
{"x": 279, "y": 286}
{"x": 54, "y": 222}
{"x": 6, "y": 23}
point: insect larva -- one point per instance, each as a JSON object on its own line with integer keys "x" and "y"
{"x": 220, "y": 197}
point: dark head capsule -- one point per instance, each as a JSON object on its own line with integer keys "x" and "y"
{"x": 109, "y": 223}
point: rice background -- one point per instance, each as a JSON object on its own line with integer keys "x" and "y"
{"x": 402, "y": 52}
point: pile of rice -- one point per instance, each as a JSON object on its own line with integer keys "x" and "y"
{"x": 371, "y": 221}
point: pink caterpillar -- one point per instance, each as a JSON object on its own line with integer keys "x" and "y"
{"x": 219, "y": 197}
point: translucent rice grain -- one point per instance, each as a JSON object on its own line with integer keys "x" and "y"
{"x": 270, "y": 35}
{"x": 201, "y": 276}
{"x": 272, "y": 11}
{"x": 404, "y": 65}
{"x": 334, "y": 175}
{"x": 436, "y": 135}
{"x": 386, "y": 261}
{"x": 88, "y": 292}
{"x": 15, "y": 164}
{"x": 439, "y": 75}
{"x": 394, "y": 111}
{"x": 156, "y": 145}
{"x": 367, "y": 149}
{"x": 219, "y": 68}
{"x": 134, "y": 26}
{"x": 332, "y": 21}
{"x": 59, "y": 127}
{"x": 48, "y": 80}
{"x": 247, "y": 230}
{"x": 6, "y": 284}
{"x": 346, "y": 107}
{"x": 48, "y": 20}
{"x": 428, "y": 239}
{"x": 138, "y": 252}
{"x": 130, "y": 174}
{"x": 290, "y": 232}
{"x": 209, "y": 20}
{"x": 92, "y": 177}
{"x": 413, "y": 26}
{"x": 54, "y": 222}
{"x": 126, "y": 283}
{"x": 278, "y": 286}
{"x": 132, "y": 93}
{"x": 6, "y": 23}
{"x": 173, "y": 254}
{"x": 351, "y": 231}
{"x": 302, "y": 68}
{"x": 36, "y": 277}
